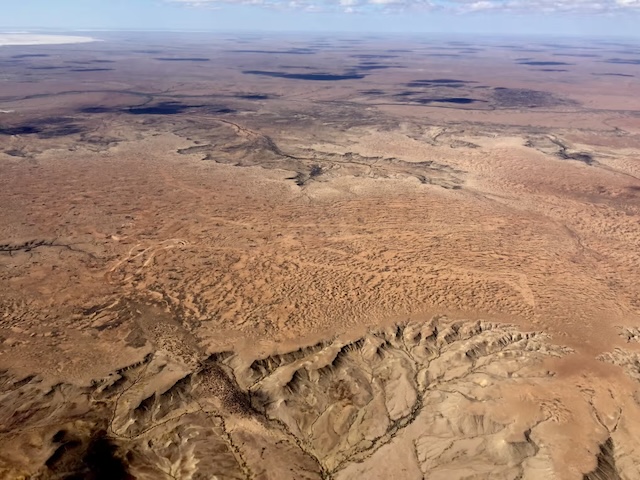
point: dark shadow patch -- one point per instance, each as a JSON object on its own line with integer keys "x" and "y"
{"x": 89, "y": 62}
{"x": 537, "y": 63}
{"x": 31, "y": 55}
{"x": 613, "y": 75}
{"x": 291, "y": 51}
{"x": 454, "y": 100}
{"x": 374, "y": 67}
{"x": 445, "y": 55}
{"x": 372, "y": 56}
{"x": 93, "y": 459}
{"x": 462, "y": 49}
{"x": 549, "y": 70}
{"x": 164, "y": 108}
{"x": 606, "y": 464}
{"x": 521, "y": 48}
{"x": 321, "y": 77}
{"x": 19, "y": 130}
{"x": 441, "y": 85}
{"x": 91, "y": 69}
{"x": 562, "y": 46}
{"x": 174, "y": 108}
{"x": 579, "y": 55}
{"x": 298, "y": 67}
{"x": 253, "y": 96}
{"x": 98, "y": 110}
{"x": 44, "y": 128}
{"x": 50, "y": 67}
{"x": 372, "y": 92}
{"x": 182, "y": 59}
{"x": 63, "y": 450}
{"x": 441, "y": 81}
{"x": 220, "y": 110}
{"x": 623, "y": 61}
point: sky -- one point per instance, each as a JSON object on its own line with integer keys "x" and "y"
{"x": 600, "y": 18}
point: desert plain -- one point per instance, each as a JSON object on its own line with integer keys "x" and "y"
{"x": 274, "y": 257}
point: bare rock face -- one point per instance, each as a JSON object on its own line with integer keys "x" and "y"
{"x": 414, "y": 392}
{"x": 421, "y": 400}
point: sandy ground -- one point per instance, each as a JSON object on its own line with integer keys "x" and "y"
{"x": 209, "y": 273}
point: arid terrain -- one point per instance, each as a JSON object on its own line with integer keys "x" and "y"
{"x": 242, "y": 256}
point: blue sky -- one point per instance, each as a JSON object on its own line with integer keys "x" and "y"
{"x": 546, "y": 17}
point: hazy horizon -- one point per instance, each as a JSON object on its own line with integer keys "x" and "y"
{"x": 617, "y": 18}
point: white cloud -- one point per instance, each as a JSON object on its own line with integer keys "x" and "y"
{"x": 483, "y": 5}
{"x": 457, "y": 6}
